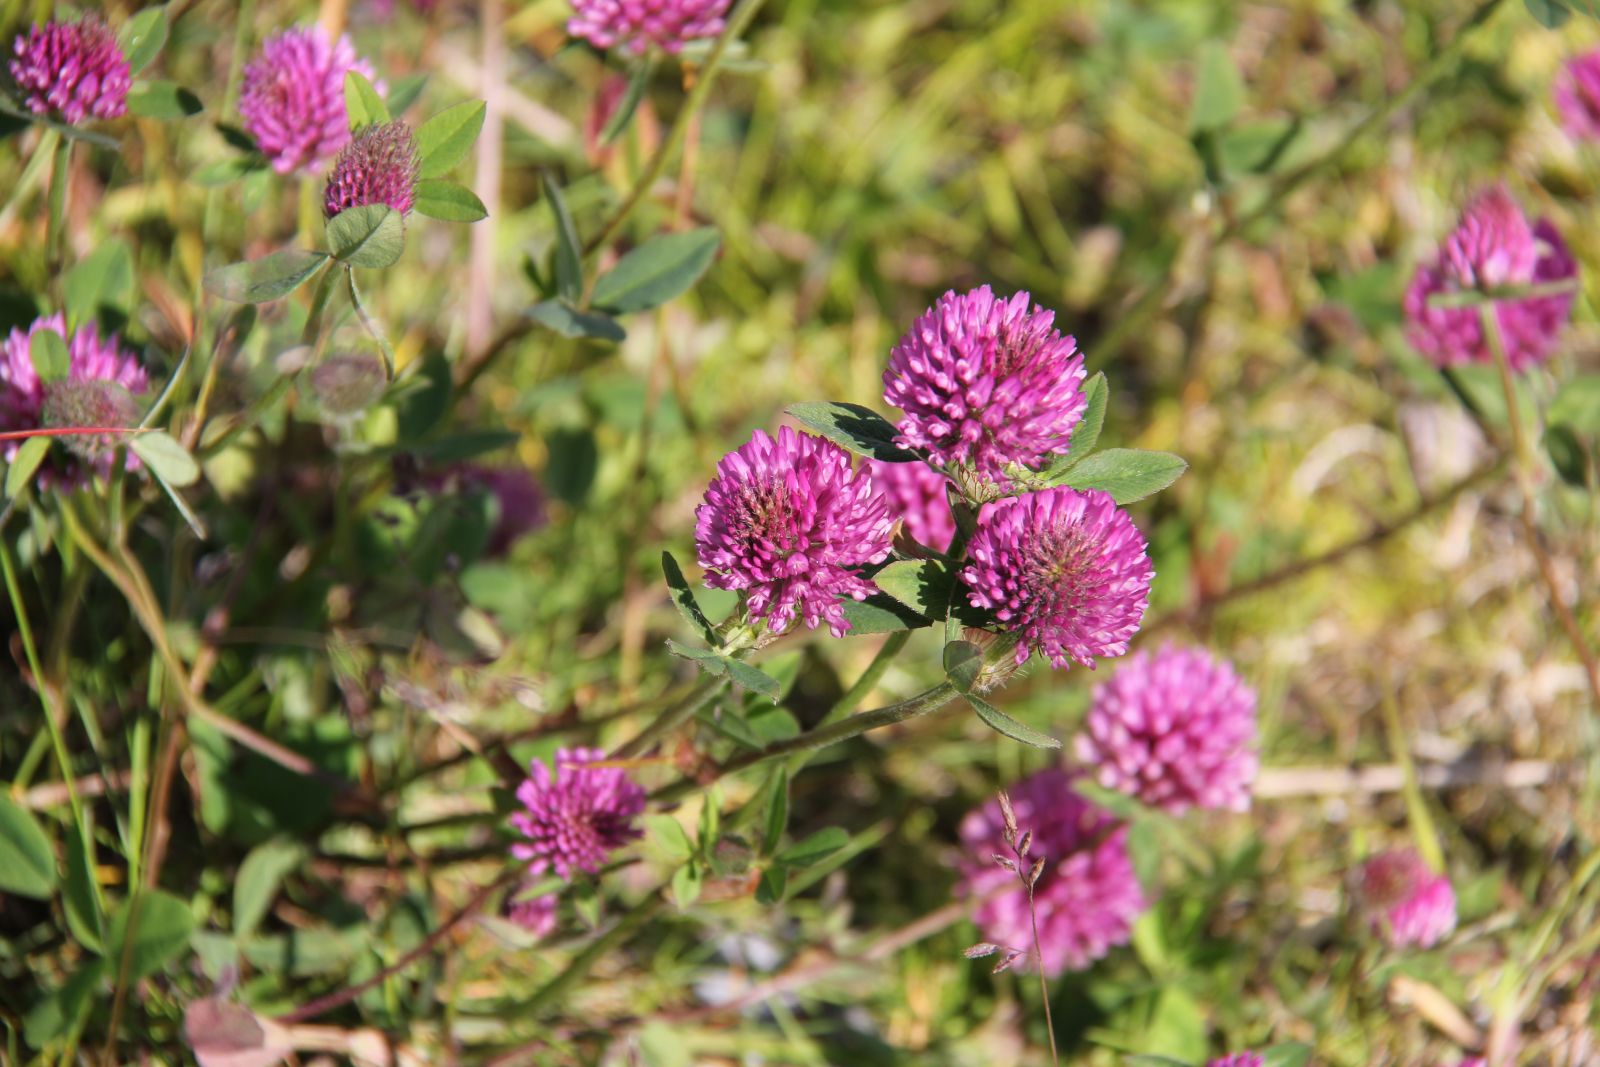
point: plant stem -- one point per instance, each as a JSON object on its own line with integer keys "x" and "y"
{"x": 924, "y": 703}
{"x": 1130, "y": 323}
{"x": 673, "y": 718}
{"x": 858, "y": 692}
{"x": 613, "y": 938}
{"x": 55, "y": 232}
{"x": 697, "y": 97}
{"x": 1523, "y": 467}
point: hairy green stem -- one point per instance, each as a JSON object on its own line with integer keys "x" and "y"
{"x": 56, "y": 226}
{"x": 613, "y": 938}
{"x": 1524, "y": 467}
{"x": 1132, "y": 322}
{"x": 858, "y": 692}
{"x": 924, "y": 703}
{"x": 673, "y": 718}
{"x": 680, "y": 127}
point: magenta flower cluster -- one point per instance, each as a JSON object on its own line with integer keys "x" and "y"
{"x": 75, "y": 69}
{"x": 26, "y": 403}
{"x": 1237, "y": 1059}
{"x": 1577, "y": 93}
{"x": 1065, "y": 570}
{"x": 1088, "y": 895}
{"x": 916, "y": 494}
{"x": 292, "y": 100}
{"x": 783, "y": 522}
{"x": 1404, "y": 901}
{"x": 1176, "y": 730}
{"x": 574, "y": 817}
{"x": 1493, "y": 247}
{"x": 641, "y": 25}
{"x": 986, "y": 382}
{"x": 536, "y": 915}
{"x": 378, "y": 166}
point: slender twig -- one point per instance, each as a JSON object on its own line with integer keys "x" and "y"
{"x": 1131, "y": 323}
{"x": 673, "y": 718}
{"x": 1288, "y": 573}
{"x": 323, "y": 1005}
{"x": 1524, "y": 476}
{"x": 740, "y": 21}
{"x": 924, "y": 703}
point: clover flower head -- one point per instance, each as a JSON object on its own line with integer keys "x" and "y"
{"x": 641, "y": 25}
{"x": 915, "y": 495}
{"x": 378, "y": 166}
{"x": 74, "y": 69}
{"x": 292, "y": 99}
{"x": 101, "y": 376}
{"x": 1176, "y": 730}
{"x": 1065, "y": 570}
{"x": 986, "y": 382}
{"x": 537, "y": 915}
{"x": 1087, "y": 896}
{"x": 1403, "y": 900}
{"x": 1493, "y": 247}
{"x": 574, "y": 817}
{"x": 785, "y": 521}
{"x": 1237, "y": 1059}
{"x": 1577, "y": 93}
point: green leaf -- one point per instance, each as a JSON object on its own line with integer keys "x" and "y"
{"x": 711, "y": 662}
{"x": 26, "y": 461}
{"x": 777, "y": 812}
{"x": 81, "y": 896}
{"x": 999, "y": 720}
{"x": 569, "y": 322}
{"x": 1087, "y": 433}
{"x": 445, "y": 139}
{"x": 881, "y": 615}
{"x": 774, "y": 884}
{"x": 861, "y": 430}
{"x": 569, "y": 255}
{"x": 1128, "y": 474}
{"x": 756, "y": 681}
{"x": 102, "y": 279}
{"x": 1568, "y": 455}
{"x": 362, "y": 104}
{"x": 657, "y": 271}
{"x": 638, "y": 81}
{"x": 1258, "y": 147}
{"x": 683, "y": 599}
{"x": 163, "y": 100}
{"x": 448, "y": 202}
{"x": 166, "y": 458}
{"x": 1478, "y": 387}
{"x": 143, "y": 36}
{"x": 27, "y": 862}
{"x": 161, "y": 928}
{"x": 923, "y": 585}
{"x": 1577, "y": 404}
{"x": 372, "y": 235}
{"x": 661, "y": 1046}
{"x": 403, "y": 92}
{"x": 260, "y": 281}
{"x": 51, "y": 360}
{"x": 819, "y": 846}
{"x": 227, "y": 171}
{"x": 57, "y": 1011}
{"x": 963, "y": 660}
{"x": 1218, "y": 89}
{"x": 1287, "y": 1054}
{"x": 259, "y": 877}
{"x": 686, "y": 884}
{"x": 667, "y": 834}
{"x": 1551, "y": 14}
